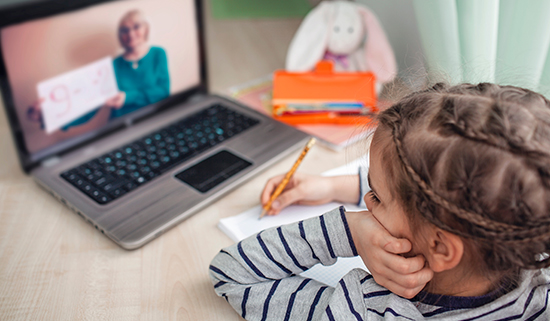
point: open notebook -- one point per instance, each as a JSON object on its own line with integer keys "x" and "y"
{"x": 247, "y": 223}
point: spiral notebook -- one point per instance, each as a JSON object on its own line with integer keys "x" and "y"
{"x": 243, "y": 225}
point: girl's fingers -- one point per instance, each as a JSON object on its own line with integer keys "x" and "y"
{"x": 395, "y": 245}
{"x": 413, "y": 280}
{"x": 405, "y": 285}
{"x": 287, "y": 198}
{"x": 383, "y": 239}
{"x": 402, "y": 265}
{"x": 270, "y": 188}
{"x": 400, "y": 290}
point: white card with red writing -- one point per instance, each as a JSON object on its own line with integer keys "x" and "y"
{"x": 71, "y": 95}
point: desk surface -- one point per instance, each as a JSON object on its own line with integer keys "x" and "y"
{"x": 55, "y": 266}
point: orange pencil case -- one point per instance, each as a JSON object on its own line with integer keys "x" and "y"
{"x": 323, "y": 96}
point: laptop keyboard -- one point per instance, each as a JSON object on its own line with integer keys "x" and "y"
{"x": 122, "y": 170}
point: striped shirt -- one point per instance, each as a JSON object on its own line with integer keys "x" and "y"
{"x": 259, "y": 278}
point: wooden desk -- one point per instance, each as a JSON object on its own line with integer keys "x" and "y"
{"x": 55, "y": 266}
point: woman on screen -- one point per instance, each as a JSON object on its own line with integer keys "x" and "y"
{"x": 141, "y": 72}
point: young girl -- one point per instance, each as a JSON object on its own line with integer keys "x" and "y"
{"x": 463, "y": 173}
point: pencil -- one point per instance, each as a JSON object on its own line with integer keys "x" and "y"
{"x": 287, "y": 177}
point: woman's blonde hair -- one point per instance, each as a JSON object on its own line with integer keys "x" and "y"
{"x": 132, "y": 14}
{"x": 475, "y": 160}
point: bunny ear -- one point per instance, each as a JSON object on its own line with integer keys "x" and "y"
{"x": 310, "y": 41}
{"x": 378, "y": 52}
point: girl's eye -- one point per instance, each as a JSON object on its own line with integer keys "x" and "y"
{"x": 373, "y": 197}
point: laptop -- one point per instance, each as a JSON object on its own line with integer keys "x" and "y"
{"x": 108, "y": 106}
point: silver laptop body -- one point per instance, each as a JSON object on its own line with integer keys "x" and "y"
{"x": 146, "y": 212}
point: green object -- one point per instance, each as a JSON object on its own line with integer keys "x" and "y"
{"x": 438, "y": 26}
{"x": 524, "y": 36}
{"x": 478, "y": 29}
{"x": 238, "y": 9}
{"x": 502, "y": 41}
{"x": 145, "y": 84}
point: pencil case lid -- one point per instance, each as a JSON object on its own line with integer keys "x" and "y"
{"x": 324, "y": 85}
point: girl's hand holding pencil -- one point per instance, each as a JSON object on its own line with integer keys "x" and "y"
{"x": 287, "y": 177}
{"x": 302, "y": 189}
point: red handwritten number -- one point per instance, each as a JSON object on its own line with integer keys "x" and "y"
{"x": 96, "y": 80}
{"x": 60, "y": 94}
{"x": 103, "y": 74}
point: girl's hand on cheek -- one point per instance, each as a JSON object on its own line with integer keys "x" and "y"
{"x": 382, "y": 254}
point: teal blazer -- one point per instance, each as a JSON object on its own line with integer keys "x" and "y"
{"x": 146, "y": 84}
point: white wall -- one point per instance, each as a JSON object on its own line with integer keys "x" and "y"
{"x": 398, "y": 20}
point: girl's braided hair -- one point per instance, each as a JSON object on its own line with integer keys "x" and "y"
{"x": 475, "y": 160}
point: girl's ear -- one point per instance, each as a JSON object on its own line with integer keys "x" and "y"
{"x": 310, "y": 41}
{"x": 378, "y": 53}
{"x": 445, "y": 250}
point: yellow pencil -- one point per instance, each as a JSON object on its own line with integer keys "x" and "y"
{"x": 287, "y": 177}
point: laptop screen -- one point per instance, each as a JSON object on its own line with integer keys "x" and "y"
{"x": 74, "y": 74}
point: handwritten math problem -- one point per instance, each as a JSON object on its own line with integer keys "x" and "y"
{"x": 71, "y": 95}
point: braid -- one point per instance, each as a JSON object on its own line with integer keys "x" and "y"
{"x": 504, "y": 140}
{"x": 461, "y": 213}
{"x": 494, "y": 229}
{"x": 522, "y": 244}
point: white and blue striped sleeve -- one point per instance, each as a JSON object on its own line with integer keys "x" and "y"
{"x": 259, "y": 275}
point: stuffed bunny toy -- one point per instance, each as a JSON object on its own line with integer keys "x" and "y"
{"x": 347, "y": 33}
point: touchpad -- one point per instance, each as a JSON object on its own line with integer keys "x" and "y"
{"x": 212, "y": 171}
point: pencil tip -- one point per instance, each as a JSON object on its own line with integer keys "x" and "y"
{"x": 262, "y": 214}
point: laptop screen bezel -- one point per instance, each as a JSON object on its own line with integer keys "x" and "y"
{"x": 29, "y": 11}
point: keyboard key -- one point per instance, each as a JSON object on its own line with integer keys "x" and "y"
{"x": 129, "y": 186}
{"x": 70, "y": 176}
{"x": 117, "y": 192}
{"x": 100, "y": 182}
{"x": 87, "y": 187}
{"x": 122, "y": 170}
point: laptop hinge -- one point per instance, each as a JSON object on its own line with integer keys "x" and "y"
{"x": 196, "y": 98}
{"x": 128, "y": 122}
{"x": 51, "y": 161}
